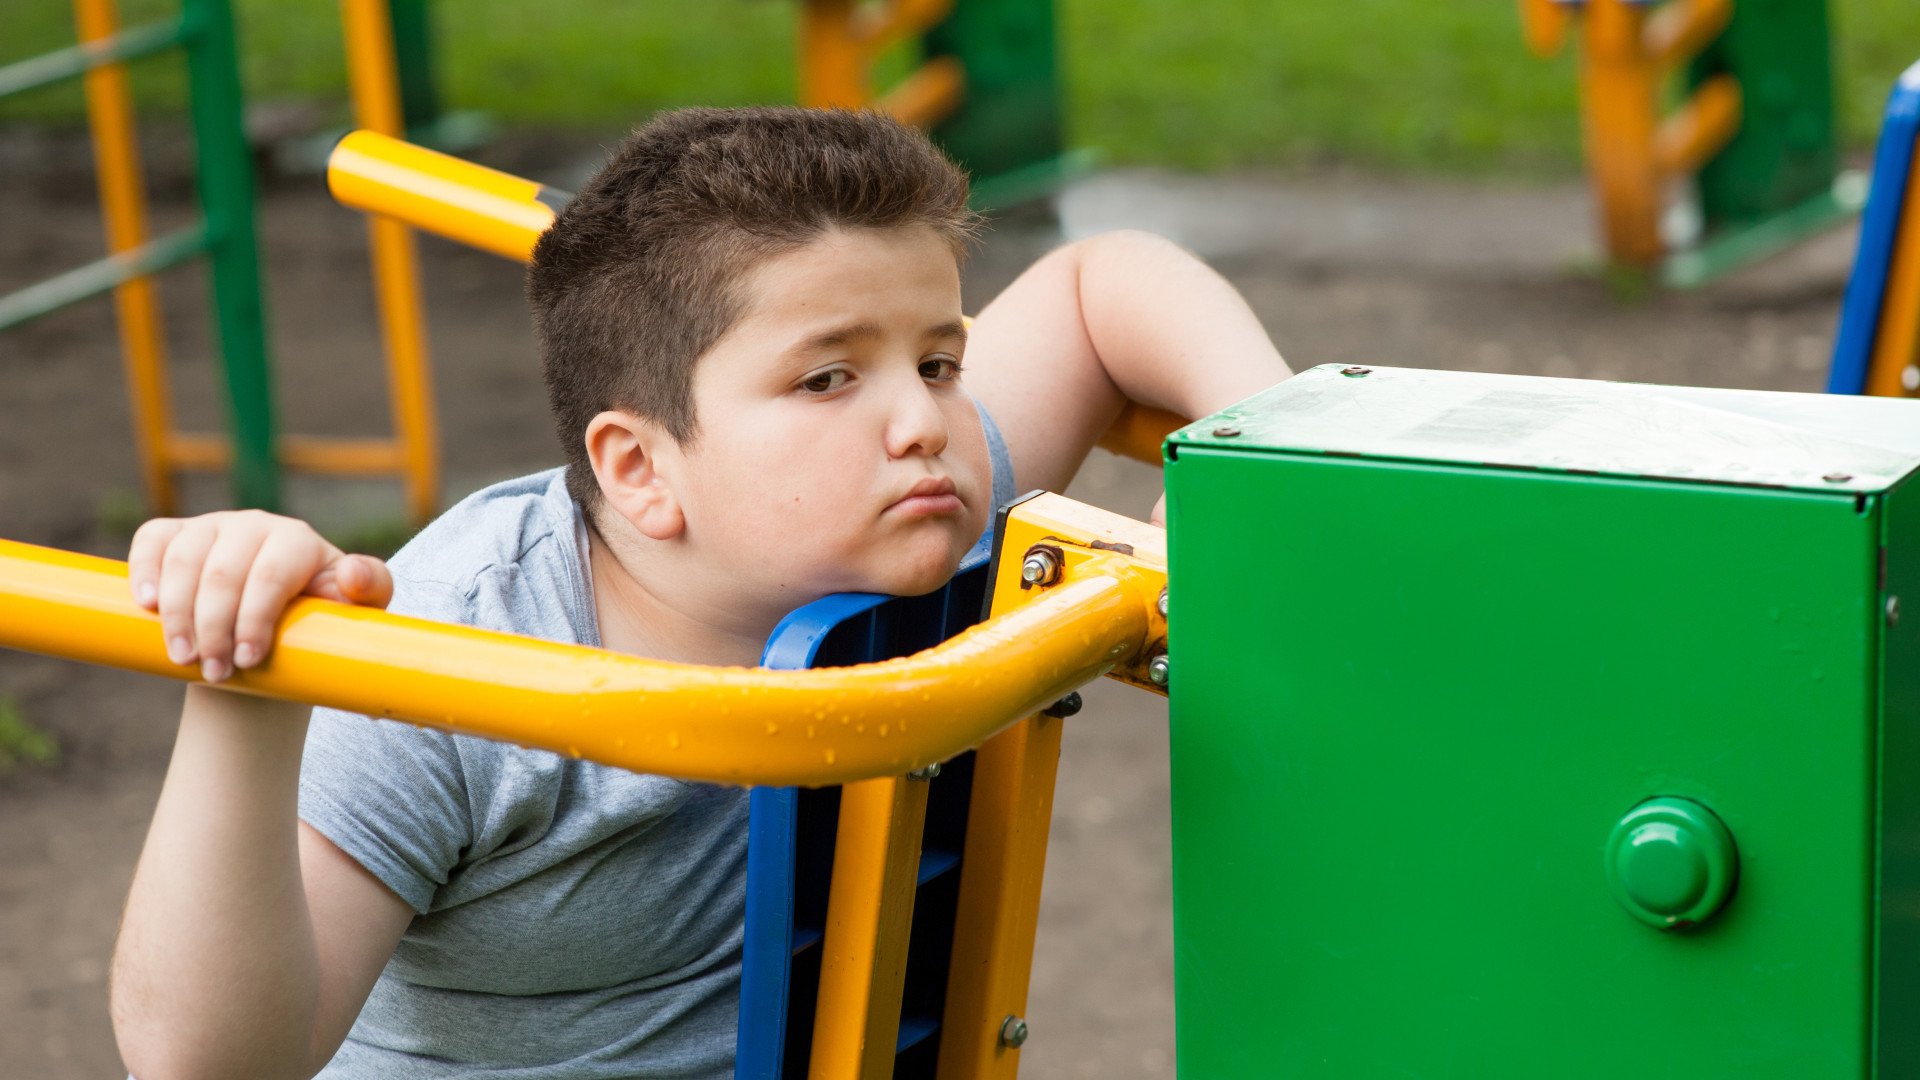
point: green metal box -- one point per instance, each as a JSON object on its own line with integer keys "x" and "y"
{"x": 1435, "y": 635}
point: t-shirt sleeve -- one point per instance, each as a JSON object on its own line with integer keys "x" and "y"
{"x": 391, "y": 795}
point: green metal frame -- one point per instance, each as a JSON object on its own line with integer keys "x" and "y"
{"x": 226, "y": 235}
{"x": 1776, "y": 182}
{"x": 1008, "y": 130}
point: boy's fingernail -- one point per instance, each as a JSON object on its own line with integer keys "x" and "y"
{"x": 243, "y": 656}
{"x": 145, "y": 594}
{"x": 178, "y": 650}
{"x": 214, "y": 670}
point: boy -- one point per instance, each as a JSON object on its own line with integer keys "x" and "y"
{"x": 751, "y": 332}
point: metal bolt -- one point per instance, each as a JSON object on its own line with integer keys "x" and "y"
{"x": 1158, "y": 669}
{"x": 1163, "y": 603}
{"x": 1910, "y": 378}
{"x": 1066, "y": 706}
{"x": 925, "y": 772}
{"x": 1226, "y": 432}
{"x": 1893, "y": 611}
{"x": 1013, "y": 1032}
{"x": 1356, "y": 371}
{"x": 1041, "y": 567}
{"x": 1837, "y": 477}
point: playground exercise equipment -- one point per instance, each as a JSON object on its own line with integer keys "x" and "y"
{"x": 1755, "y": 135}
{"x": 256, "y": 452}
{"x": 1877, "y": 349}
{"x": 225, "y": 236}
{"x": 505, "y": 214}
{"x": 1513, "y": 753}
{"x": 986, "y": 85}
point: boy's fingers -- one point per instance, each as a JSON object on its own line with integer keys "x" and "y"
{"x": 178, "y": 582}
{"x": 1158, "y": 518}
{"x": 281, "y": 569}
{"x": 217, "y": 605}
{"x": 143, "y": 559}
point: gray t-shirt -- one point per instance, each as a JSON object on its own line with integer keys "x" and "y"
{"x": 573, "y": 920}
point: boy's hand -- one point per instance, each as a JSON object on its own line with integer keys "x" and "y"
{"x": 1158, "y": 519}
{"x": 220, "y": 582}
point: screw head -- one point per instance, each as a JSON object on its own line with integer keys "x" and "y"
{"x": 925, "y": 772}
{"x": 1226, "y": 432}
{"x": 1158, "y": 670}
{"x": 1013, "y": 1032}
{"x": 1837, "y": 477}
{"x": 1910, "y": 378}
{"x": 1066, "y": 706}
{"x": 1162, "y": 604}
{"x": 1356, "y": 371}
{"x": 1893, "y": 611}
{"x": 1040, "y": 567}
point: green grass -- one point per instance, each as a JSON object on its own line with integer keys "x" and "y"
{"x": 21, "y": 743}
{"x": 1405, "y": 85}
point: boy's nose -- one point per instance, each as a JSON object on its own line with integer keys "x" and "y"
{"x": 916, "y": 426}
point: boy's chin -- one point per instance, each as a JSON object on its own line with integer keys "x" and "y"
{"x": 916, "y": 573}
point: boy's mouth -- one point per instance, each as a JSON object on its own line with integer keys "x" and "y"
{"x": 932, "y": 495}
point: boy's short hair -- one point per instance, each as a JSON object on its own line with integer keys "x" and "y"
{"x": 640, "y": 274}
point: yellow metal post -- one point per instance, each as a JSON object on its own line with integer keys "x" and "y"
{"x": 1013, "y": 783}
{"x": 1896, "y": 344}
{"x": 371, "y": 72}
{"x": 876, "y": 862}
{"x": 1620, "y": 100}
{"x": 123, "y": 205}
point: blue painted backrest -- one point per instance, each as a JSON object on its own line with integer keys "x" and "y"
{"x": 791, "y": 834}
{"x": 1879, "y": 229}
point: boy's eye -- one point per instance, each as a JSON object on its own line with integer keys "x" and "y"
{"x": 824, "y": 382}
{"x": 940, "y": 368}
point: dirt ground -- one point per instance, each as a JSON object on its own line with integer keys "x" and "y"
{"x": 1342, "y": 269}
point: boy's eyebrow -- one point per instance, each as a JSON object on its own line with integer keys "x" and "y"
{"x": 867, "y": 330}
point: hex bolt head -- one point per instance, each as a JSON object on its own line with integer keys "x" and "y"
{"x": 1158, "y": 670}
{"x": 1040, "y": 567}
{"x": 1356, "y": 371}
{"x": 925, "y": 772}
{"x": 1893, "y": 611}
{"x": 1066, "y": 706}
{"x": 1837, "y": 477}
{"x": 1227, "y": 431}
{"x": 1013, "y": 1032}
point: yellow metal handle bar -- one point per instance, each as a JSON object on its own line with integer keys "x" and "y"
{"x": 723, "y": 725}
{"x": 504, "y": 214}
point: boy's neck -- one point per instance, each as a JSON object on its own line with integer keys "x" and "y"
{"x": 667, "y": 615}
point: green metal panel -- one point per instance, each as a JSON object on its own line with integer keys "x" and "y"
{"x": 1785, "y": 152}
{"x": 1899, "y": 969}
{"x": 1416, "y": 691}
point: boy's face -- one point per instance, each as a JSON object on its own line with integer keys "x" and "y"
{"x": 836, "y": 450}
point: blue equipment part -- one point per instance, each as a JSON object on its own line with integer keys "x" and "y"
{"x": 1879, "y": 229}
{"x": 791, "y": 834}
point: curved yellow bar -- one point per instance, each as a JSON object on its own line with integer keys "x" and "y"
{"x": 723, "y": 725}
{"x": 440, "y": 194}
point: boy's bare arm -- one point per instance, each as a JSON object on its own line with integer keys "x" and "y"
{"x": 1124, "y": 316}
{"x": 249, "y": 941}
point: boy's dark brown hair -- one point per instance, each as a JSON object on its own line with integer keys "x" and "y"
{"x": 641, "y": 273}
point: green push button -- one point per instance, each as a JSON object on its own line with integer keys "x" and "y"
{"x": 1671, "y": 863}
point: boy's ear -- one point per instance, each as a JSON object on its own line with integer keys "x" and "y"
{"x": 627, "y": 454}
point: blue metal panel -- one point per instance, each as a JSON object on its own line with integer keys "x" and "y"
{"x": 790, "y": 840}
{"x": 1879, "y": 228}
